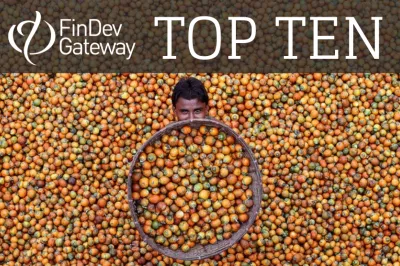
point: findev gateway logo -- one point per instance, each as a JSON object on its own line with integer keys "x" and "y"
{"x": 67, "y": 46}
{"x": 36, "y": 24}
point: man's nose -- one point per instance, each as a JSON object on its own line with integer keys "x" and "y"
{"x": 191, "y": 115}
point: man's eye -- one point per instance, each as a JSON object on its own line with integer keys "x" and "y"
{"x": 197, "y": 111}
{"x": 184, "y": 112}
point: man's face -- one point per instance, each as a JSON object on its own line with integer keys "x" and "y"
{"x": 190, "y": 109}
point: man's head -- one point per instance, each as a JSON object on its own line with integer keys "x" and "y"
{"x": 190, "y": 99}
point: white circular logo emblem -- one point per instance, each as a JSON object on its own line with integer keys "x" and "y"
{"x": 36, "y": 24}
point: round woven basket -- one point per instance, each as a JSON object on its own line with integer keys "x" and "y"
{"x": 199, "y": 251}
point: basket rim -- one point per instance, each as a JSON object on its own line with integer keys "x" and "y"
{"x": 199, "y": 251}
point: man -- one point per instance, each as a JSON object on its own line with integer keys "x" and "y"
{"x": 190, "y": 99}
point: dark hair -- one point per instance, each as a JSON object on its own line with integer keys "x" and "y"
{"x": 189, "y": 89}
